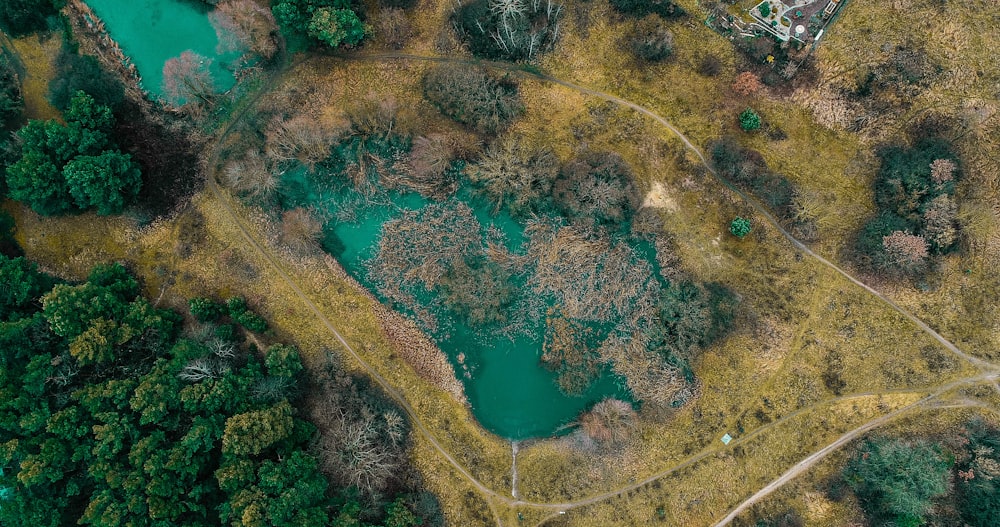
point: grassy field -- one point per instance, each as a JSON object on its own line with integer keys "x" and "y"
{"x": 813, "y": 356}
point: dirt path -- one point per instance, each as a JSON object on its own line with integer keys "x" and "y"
{"x": 818, "y": 456}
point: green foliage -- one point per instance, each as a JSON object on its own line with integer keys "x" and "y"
{"x": 328, "y": 21}
{"x": 749, "y": 120}
{"x": 69, "y": 168}
{"x": 909, "y": 199}
{"x": 20, "y": 284}
{"x": 641, "y": 8}
{"x": 471, "y": 96}
{"x": 106, "y": 418}
{"x": 519, "y": 32}
{"x": 896, "y": 480}
{"x": 251, "y": 433}
{"x": 765, "y": 9}
{"x": 105, "y": 182}
{"x": 76, "y": 73}
{"x": 242, "y": 315}
{"x": 336, "y": 26}
{"x": 740, "y": 227}
{"x": 206, "y": 309}
{"x": 283, "y": 361}
{"x": 20, "y": 17}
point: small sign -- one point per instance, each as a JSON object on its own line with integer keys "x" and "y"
{"x": 726, "y": 439}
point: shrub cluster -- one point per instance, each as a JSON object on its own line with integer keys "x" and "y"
{"x": 914, "y": 192}
{"x": 471, "y": 96}
{"x": 650, "y": 40}
{"x": 331, "y": 22}
{"x": 20, "y": 17}
{"x": 640, "y": 8}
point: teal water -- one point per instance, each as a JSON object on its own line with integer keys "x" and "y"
{"x": 511, "y": 393}
{"x": 154, "y": 31}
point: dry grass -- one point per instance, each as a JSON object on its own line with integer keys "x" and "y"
{"x": 38, "y": 55}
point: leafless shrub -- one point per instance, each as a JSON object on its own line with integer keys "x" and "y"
{"x": 565, "y": 350}
{"x": 590, "y": 277}
{"x": 201, "y": 369}
{"x": 610, "y": 421}
{"x": 250, "y": 176}
{"x": 394, "y": 27}
{"x": 516, "y": 175}
{"x": 746, "y": 83}
{"x": 300, "y": 230}
{"x": 943, "y": 170}
{"x": 429, "y": 159}
{"x": 940, "y": 225}
{"x": 376, "y": 114}
{"x": 300, "y": 138}
{"x": 245, "y": 26}
{"x": 470, "y": 95}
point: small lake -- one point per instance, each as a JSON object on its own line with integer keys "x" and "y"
{"x": 152, "y": 32}
{"x": 511, "y": 393}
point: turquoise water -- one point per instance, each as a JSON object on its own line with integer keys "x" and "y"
{"x": 154, "y": 31}
{"x": 510, "y": 392}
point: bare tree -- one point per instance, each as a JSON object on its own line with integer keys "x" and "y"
{"x": 394, "y": 27}
{"x": 186, "y": 79}
{"x": 245, "y": 26}
{"x": 300, "y": 138}
{"x": 516, "y": 175}
{"x": 251, "y": 176}
{"x": 300, "y": 230}
{"x": 611, "y": 421}
{"x": 905, "y": 251}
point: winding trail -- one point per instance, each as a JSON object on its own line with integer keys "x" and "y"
{"x": 990, "y": 370}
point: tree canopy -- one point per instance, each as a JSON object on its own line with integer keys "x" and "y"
{"x": 72, "y": 167}
{"x": 108, "y": 417}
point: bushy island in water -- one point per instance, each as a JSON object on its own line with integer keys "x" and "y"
{"x": 542, "y": 278}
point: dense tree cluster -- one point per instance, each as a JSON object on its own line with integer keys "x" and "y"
{"x": 331, "y": 22}
{"x": 915, "y": 195}
{"x": 508, "y": 29}
{"x": 108, "y": 417}
{"x": 62, "y": 168}
{"x": 896, "y": 480}
{"x": 11, "y": 106}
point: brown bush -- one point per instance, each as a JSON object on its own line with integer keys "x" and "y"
{"x": 610, "y": 421}
{"x": 394, "y": 27}
{"x": 300, "y": 230}
{"x": 746, "y": 83}
{"x": 300, "y": 138}
{"x": 904, "y": 251}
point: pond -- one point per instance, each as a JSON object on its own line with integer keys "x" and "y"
{"x": 152, "y": 32}
{"x": 510, "y": 392}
